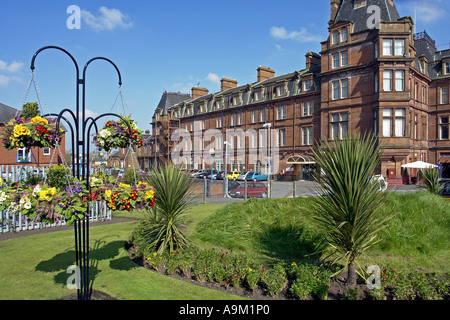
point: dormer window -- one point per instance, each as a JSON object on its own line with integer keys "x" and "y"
{"x": 335, "y": 37}
{"x": 281, "y": 90}
{"x": 307, "y": 85}
{"x": 447, "y": 67}
{"x": 344, "y": 35}
{"x": 258, "y": 95}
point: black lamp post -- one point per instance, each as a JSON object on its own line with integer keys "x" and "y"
{"x": 80, "y": 162}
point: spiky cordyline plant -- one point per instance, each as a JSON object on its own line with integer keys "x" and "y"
{"x": 160, "y": 231}
{"x": 348, "y": 212}
{"x": 430, "y": 178}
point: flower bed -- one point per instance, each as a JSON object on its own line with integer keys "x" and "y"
{"x": 238, "y": 274}
{"x": 27, "y": 133}
{"x": 44, "y": 203}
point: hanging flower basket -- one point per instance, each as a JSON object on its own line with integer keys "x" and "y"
{"x": 116, "y": 134}
{"x": 34, "y": 132}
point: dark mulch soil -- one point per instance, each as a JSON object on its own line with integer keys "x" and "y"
{"x": 336, "y": 290}
{"x": 95, "y": 295}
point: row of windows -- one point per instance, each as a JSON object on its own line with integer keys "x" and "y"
{"x": 393, "y": 124}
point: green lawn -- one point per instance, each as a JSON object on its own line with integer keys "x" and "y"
{"x": 34, "y": 267}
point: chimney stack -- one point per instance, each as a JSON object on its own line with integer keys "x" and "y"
{"x": 227, "y": 83}
{"x": 312, "y": 59}
{"x": 334, "y": 6}
{"x": 265, "y": 73}
{"x": 198, "y": 92}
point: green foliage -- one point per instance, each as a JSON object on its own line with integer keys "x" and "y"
{"x": 348, "y": 213}
{"x": 309, "y": 280}
{"x": 30, "y": 110}
{"x": 160, "y": 229}
{"x": 59, "y": 176}
{"x": 131, "y": 177}
{"x": 430, "y": 178}
{"x": 274, "y": 280}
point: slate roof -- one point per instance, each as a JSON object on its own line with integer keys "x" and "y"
{"x": 170, "y": 99}
{"x": 6, "y": 113}
{"x": 359, "y": 16}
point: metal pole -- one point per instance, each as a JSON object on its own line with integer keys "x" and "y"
{"x": 81, "y": 227}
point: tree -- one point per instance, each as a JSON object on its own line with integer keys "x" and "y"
{"x": 348, "y": 211}
{"x": 30, "y": 110}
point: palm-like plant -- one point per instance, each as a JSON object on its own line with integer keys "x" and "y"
{"x": 160, "y": 230}
{"x": 430, "y": 178}
{"x": 347, "y": 213}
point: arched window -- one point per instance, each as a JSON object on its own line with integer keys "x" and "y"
{"x": 344, "y": 35}
{"x": 335, "y": 37}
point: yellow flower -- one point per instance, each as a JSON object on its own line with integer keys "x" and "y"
{"x": 123, "y": 185}
{"x": 250, "y": 269}
{"x": 1, "y": 182}
{"x": 108, "y": 194}
{"x": 39, "y": 119}
{"x": 149, "y": 194}
{"x": 20, "y": 130}
{"x": 155, "y": 253}
{"x": 293, "y": 264}
{"x": 140, "y": 183}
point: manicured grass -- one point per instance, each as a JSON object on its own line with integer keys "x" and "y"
{"x": 34, "y": 267}
{"x": 417, "y": 237}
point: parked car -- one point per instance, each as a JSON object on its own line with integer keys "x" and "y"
{"x": 233, "y": 175}
{"x": 446, "y": 189}
{"x": 233, "y": 185}
{"x": 220, "y": 175}
{"x": 192, "y": 173}
{"x": 214, "y": 174}
{"x": 256, "y": 176}
{"x": 202, "y": 174}
{"x": 242, "y": 176}
{"x": 254, "y": 189}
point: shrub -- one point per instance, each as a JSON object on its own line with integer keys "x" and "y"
{"x": 309, "y": 280}
{"x": 59, "y": 176}
{"x": 274, "y": 279}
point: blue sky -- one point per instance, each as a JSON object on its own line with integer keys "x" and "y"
{"x": 165, "y": 46}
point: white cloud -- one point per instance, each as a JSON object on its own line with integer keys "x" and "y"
{"x": 278, "y": 47}
{"x": 109, "y": 19}
{"x": 302, "y": 35}
{"x": 214, "y": 78}
{"x": 426, "y": 11}
{"x": 4, "y": 80}
{"x": 12, "y": 67}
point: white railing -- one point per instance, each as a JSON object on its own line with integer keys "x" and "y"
{"x": 18, "y": 222}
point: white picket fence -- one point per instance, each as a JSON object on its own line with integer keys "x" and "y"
{"x": 18, "y": 222}
{"x": 19, "y": 173}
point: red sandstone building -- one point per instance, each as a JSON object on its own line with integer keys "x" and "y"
{"x": 368, "y": 77}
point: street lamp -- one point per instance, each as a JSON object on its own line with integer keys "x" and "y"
{"x": 212, "y": 152}
{"x": 268, "y": 125}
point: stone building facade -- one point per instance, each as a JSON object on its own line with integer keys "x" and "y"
{"x": 373, "y": 74}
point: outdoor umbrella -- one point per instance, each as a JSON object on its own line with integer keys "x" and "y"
{"x": 419, "y": 165}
